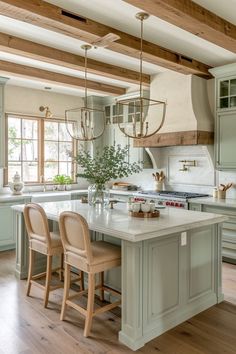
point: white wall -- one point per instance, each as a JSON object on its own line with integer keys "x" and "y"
{"x": 27, "y": 101}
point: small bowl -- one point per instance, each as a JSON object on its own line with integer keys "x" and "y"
{"x": 136, "y": 207}
{"x": 145, "y": 207}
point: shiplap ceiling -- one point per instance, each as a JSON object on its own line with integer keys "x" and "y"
{"x": 120, "y": 15}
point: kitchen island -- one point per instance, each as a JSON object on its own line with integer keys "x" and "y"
{"x": 171, "y": 265}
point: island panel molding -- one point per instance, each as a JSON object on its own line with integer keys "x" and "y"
{"x": 151, "y": 303}
{"x": 8, "y": 68}
{"x": 45, "y": 15}
{"x": 193, "y": 137}
{"x": 36, "y": 51}
{"x": 193, "y": 18}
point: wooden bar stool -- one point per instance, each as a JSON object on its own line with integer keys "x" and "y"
{"x": 43, "y": 241}
{"x": 90, "y": 257}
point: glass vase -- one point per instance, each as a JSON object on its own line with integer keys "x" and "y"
{"x": 98, "y": 194}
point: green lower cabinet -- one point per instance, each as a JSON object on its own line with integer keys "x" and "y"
{"x": 228, "y": 229}
{"x": 7, "y": 238}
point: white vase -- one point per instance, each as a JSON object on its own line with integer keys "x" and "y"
{"x": 98, "y": 194}
{"x": 16, "y": 185}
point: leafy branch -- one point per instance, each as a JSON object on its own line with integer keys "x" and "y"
{"x": 110, "y": 164}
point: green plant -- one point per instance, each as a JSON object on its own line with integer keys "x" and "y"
{"x": 106, "y": 165}
{"x": 62, "y": 179}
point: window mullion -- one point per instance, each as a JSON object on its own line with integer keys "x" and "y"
{"x": 41, "y": 148}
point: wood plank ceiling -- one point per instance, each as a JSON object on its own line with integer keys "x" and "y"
{"x": 44, "y": 15}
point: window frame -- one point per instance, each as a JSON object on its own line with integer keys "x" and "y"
{"x": 41, "y": 150}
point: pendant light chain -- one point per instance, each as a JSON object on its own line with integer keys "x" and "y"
{"x": 141, "y": 58}
{"x": 85, "y": 77}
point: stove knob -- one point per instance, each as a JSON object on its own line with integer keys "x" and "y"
{"x": 172, "y": 204}
{"x": 177, "y": 205}
{"x": 167, "y": 203}
{"x": 181, "y": 205}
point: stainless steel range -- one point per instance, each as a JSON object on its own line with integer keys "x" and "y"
{"x": 171, "y": 198}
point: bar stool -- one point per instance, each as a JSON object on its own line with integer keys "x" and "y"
{"x": 43, "y": 241}
{"x": 90, "y": 257}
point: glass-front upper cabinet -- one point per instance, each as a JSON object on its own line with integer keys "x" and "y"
{"x": 227, "y": 93}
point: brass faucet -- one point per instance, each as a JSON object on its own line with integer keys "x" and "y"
{"x": 187, "y": 163}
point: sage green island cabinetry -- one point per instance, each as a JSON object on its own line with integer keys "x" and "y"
{"x": 225, "y": 117}
{"x": 228, "y": 208}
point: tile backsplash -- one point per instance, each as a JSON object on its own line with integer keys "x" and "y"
{"x": 199, "y": 179}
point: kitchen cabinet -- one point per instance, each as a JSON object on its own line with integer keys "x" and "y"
{"x": 7, "y": 238}
{"x": 225, "y": 117}
{"x": 225, "y": 140}
{"x": 228, "y": 228}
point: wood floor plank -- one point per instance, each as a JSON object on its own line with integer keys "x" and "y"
{"x": 26, "y": 327}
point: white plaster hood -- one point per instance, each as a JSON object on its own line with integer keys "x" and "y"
{"x": 188, "y": 107}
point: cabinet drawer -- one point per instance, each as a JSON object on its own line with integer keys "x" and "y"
{"x": 231, "y": 213}
{"x": 195, "y": 207}
{"x": 229, "y": 245}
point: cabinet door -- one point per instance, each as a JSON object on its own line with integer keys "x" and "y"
{"x": 225, "y": 141}
{"x": 7, "y": 240}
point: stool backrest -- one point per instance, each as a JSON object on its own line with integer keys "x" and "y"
{"x": 75, "y": 235}
{"x": 36, "y": 223}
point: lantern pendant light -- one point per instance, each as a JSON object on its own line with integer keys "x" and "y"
{"x": 142, "y": 116}
{"x": 85, "y": 123}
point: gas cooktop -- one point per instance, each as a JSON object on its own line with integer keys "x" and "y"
{"x": 173, "y": 194}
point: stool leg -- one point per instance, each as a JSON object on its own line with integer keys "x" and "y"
{"x": 66, "y": 290}
{"x": 101, "y": 277}
{"x": 48, "y": 280}
{"x": 30, "y": 270}
{"x": 82, "y": 280}
{"x": 62, "y": 267}
{"x": 90, "y": 304}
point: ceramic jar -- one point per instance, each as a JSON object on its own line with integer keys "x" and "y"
{"x": 16, "y": 185}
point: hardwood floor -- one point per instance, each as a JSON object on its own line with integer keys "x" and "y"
{"x": 27, "y": 328}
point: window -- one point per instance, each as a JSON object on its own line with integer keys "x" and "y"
{"x": 38, "y": 147}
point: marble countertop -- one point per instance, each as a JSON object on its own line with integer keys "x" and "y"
{"x": 228, "y": 202}
{"x": 8, "y": 197}
{"x": 116, "y": 222}
{"x": 5, "y": 197}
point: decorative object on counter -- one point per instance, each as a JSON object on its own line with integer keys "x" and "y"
{"x": 61, "y": 181}
{"x": 16, "y": 185}
{"x": 48, "y": 113}
{"x": 109, "y": 164}
{"x": 159, "y": 179}
{"x": 141, "y": 214}
{"x": 215, "y": 192}
{"x": 137, "y": 124}
{"x": 186, "y": 164}
{"x": 143, "y": 209}
{"x": 124, "y": 186}
{"x": 84, "y": 200}
{"x": 85, "y": 123}
{"x": 222, "y": 190}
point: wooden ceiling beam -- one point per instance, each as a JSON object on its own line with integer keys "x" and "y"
{"x": 45, "y": 15}
{"x": 36, "y": 51}
{"x": 193, "y": 18}
{"x": 8, "y": 68}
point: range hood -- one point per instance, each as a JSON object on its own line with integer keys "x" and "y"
{"x": 189, "y": 118}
